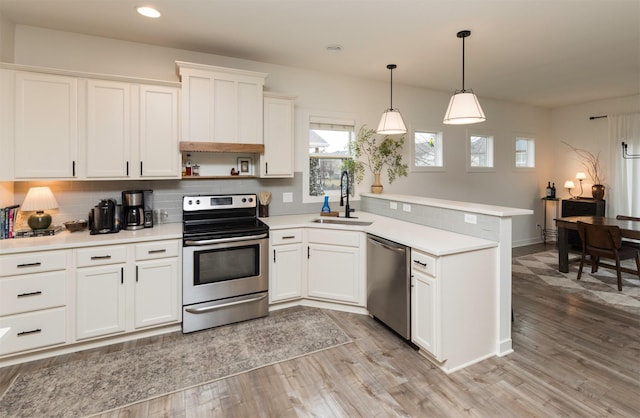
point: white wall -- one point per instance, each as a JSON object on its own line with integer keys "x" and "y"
{"x": 6, "y": 39}
{"x": 572, "y": 124}
{"x": 421, "y": 108}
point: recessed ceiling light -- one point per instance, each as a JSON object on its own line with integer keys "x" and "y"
{"x": 334, "y": 48}
{"x": 148, "y": 11}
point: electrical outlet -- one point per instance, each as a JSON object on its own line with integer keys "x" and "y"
{"x": 406, "y": 207}
{"x": 393, "y": 205}
{"x": 287, "y": 197}
{"x": 470, "y": 219}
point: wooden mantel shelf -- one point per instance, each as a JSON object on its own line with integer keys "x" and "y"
{"x": 221, "y": 147}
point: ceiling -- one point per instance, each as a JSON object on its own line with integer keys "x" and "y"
{"x": 545, "y": 53}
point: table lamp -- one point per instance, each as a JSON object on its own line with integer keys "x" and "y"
{"x": 39, "y": 199}
{"x": 569, "y": 185}
{"x": 580, "y": 176}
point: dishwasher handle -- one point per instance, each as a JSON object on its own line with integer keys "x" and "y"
{"x": 387, "y": 245}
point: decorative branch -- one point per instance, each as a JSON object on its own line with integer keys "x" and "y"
{"x": 590, "y": 162}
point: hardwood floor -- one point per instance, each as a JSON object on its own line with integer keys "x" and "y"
{"x": 572, "y": 358}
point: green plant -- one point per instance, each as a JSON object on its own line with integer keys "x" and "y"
{"x": 590, "y": 162}
{"x": 377, "y": 155}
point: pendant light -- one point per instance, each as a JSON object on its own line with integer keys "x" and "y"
{"x": 391, "y": 122}
{"x": 464, "y": 107}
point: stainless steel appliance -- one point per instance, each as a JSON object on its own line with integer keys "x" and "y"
{"x": 225, "y": 261}
{"x": 133, "y": 209}
{"x": 102, "y": 217}
{"x": 147, "y": 196}
{"x": 389, "y": 284}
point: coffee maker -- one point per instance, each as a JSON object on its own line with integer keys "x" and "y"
{"x": 102, "y": 218}
{"x": 133, "y": 209}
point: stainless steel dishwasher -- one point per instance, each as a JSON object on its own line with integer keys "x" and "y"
{"x": 389, "y": 284}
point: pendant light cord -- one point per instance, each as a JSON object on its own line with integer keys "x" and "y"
{"x": 463, "y": 64}
{"x": 391, "y": 67}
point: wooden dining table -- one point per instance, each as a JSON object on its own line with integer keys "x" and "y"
{"x": 628, "y": 229}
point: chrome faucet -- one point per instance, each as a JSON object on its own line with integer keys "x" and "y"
{"x": 347, "y": 209}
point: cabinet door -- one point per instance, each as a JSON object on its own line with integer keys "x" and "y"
{"x": 108, "y": 129}
{"x": 286, "y": 272}
{"x": 334, "y": 273}
{"x": 157, "y": 292}
{"x": 425, "y": 317}
{"x": 100, "y": 304}
{"x": 277, "y": 160}
{"x": 158, "y": 138}
{"x": 46, "y": 129}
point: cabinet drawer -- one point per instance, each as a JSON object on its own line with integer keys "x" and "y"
{"x": 286, "y": 236}
{"x": 160, "y": 249}
{"x": 98, "y": 256}
{"x": 11, "y": 265}
{"x": 33, "y": 330}
{"x": 32, "y": 292}
{"x": 332, "y": 237}
{"x": 423, "y": 263}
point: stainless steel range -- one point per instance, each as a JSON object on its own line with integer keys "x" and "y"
{"x": 225, "y": 261}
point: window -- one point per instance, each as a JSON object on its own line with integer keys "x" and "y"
{"x": 328, "y": 148}
{"x": 525, "y": 152}
{"x": 428, "y": 151}
{"x": 480, "y": 152}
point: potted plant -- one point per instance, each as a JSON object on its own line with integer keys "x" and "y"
{"x": 368, "y": 151}
{"x": 591, "y": 163}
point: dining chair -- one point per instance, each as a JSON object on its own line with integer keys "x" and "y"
{"x": 605, "y": 241}
{"x": 631, "y": 242}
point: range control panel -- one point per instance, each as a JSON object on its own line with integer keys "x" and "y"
{"x": 212, "y": 202}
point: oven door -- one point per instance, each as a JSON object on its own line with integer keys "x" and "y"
{"x": 226, "y": 268}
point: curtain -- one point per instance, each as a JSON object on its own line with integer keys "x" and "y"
{"x": 624, "y": 189}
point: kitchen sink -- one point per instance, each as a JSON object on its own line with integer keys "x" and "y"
{"x": 341, "y": 221}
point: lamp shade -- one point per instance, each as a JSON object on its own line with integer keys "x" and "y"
{"x": 39, "y": 199}
{"x": 569, "y": 184}
{"x": 464, "y": 109}
{"x": 391, "y": 123}
{"x": 580, "y": 175}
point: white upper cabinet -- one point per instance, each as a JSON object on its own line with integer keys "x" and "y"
{"x": 221, "y": 104}
{"x": 277, "y": 159}
{"x": 108, "y": 141}
{"x": 46, "y": 126}
{"x": 158, "y": 148}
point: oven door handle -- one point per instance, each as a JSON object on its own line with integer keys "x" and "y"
{"x": 221, "y": 240}
{"x": 224, "y": 305}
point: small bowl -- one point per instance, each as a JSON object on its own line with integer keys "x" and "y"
{"x": 74, "y": 226}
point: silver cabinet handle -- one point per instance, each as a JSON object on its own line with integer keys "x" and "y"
{"x": 224, "y": 305}
{"x": 164, "y": 250}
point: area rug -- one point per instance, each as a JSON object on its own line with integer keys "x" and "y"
{"x": 601, "y": 286}
{"x": 90, "y": 386}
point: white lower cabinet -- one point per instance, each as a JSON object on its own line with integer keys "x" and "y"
{"x": 100, "y": 291}
{"x": 123, "y": 288}
{"x": 453, "y": 307}
{"x": 33, "y": 300}
{"x": 286, "y": 274}
{"x": 425, "y": 299}
{"x": 157, "y": 286}
{"x": 336, "y": 266}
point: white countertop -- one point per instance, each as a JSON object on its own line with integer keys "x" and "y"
{"x": 66, "y": 239}
{"x": 431, "y": 240}
{"x": 500, "y": 211}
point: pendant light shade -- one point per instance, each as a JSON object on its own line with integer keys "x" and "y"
{"x": 391, "y": 122}
{"x": 464, "y": 107}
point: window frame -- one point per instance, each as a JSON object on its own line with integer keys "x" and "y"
{"x": 336, "y": 118}
{"x": 443, "y": 149}
{"x": 531, "y": 138}
{"x": 482, "y": 133}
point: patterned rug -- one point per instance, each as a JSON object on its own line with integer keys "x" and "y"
{"x": 600, "y": 286}
{"x": 86, "y": 387}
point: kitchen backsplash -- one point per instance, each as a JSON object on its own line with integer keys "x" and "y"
{"x": 75, "y": 198}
